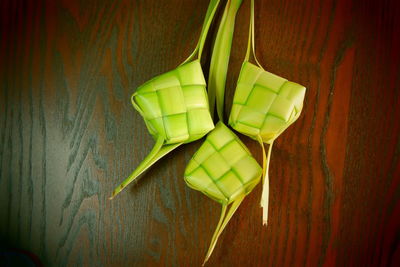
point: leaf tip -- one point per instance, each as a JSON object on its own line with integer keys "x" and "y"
{"x": 114, "y": 193}
{"x": 205, "y": 260}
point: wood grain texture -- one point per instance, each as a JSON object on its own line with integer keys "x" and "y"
{"x": 68, "y": 135}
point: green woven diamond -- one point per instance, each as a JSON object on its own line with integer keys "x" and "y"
{"x": 175, "y": 104}
{"x": 223, "y": 168}
{"x": 264, "y": 104}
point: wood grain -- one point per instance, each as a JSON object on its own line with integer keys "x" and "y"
{"x": 68, "y": 135}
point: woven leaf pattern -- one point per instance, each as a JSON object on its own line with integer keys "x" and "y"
{"x": 223, "y": 168}
{"x": 175, "y": 104}
{"x": 264, "y": 103}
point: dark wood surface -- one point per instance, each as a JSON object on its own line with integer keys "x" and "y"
{"x": 68, "y": 135}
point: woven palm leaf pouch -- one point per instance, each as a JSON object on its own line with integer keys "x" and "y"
{"x": 174, "y": 105}
{"x": 264, "y": 105}
{"x": 224, "y": 170}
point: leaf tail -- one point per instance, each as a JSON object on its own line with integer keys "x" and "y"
{"x": 265, "y": 191}
{"x": 159, "y": 150}
{"x": 223, "y": 221}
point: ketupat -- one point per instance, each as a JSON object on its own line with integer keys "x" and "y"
{"x": 264, "y": 105}
{"x": 224, "y": 170}
{"x": 174, "y": 105}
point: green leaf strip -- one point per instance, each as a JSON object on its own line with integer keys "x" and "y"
{"x": 265, "y": 179}
{"x": 251, "y": 42}
{"x": 212, "y": 8}
{"x": 220, "y": 58}
{"x": 159, "y": 150}
{"x": 223, "y": 221}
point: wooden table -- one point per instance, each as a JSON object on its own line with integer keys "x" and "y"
{"x": 69, "y": 135}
